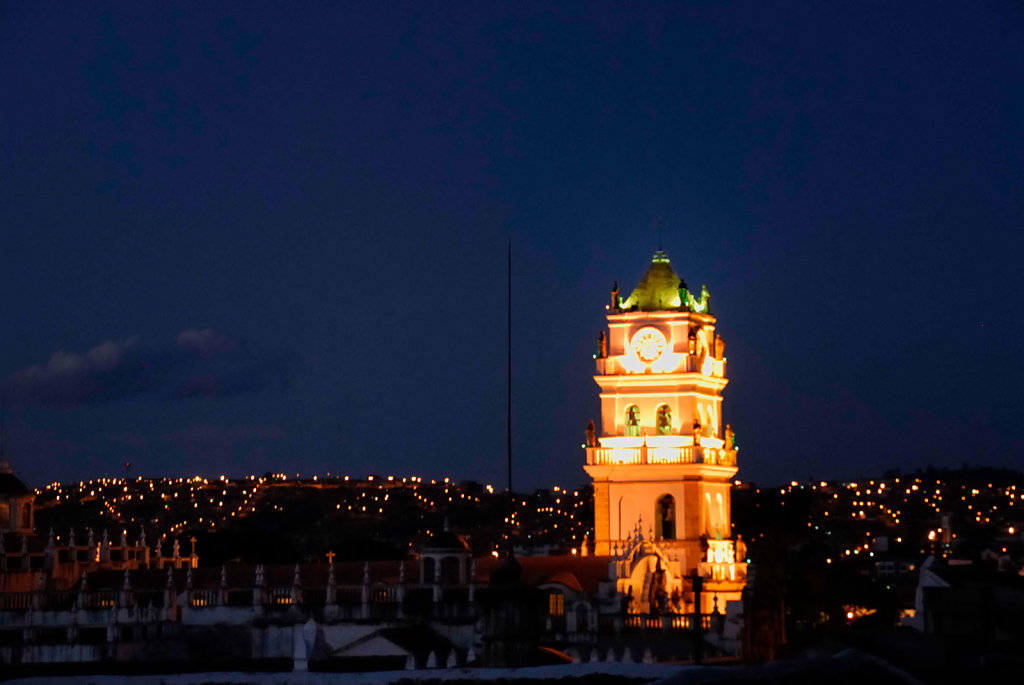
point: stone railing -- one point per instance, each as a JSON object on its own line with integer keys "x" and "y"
{"x": 645, "y": 454}
{"x": 687, "y": 364}
{"x": 653, "y": 622}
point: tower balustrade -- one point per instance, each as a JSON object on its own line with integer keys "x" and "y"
{"x": 646, "y": 454}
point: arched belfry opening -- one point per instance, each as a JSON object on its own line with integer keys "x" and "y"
{"x": 665, "y": 518}
{"x": 633, "y": 420}
{"x": 664, "y": 420}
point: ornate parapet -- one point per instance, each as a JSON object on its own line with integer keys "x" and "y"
{"x": 644, "y": 453}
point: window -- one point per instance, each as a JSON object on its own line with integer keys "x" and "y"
{"x": 664, "y": 420}
{"x": 665, "y": 519}
{"x": 5, "y": 515}
{"x": 556, "y": 603}
{"x": 633, "y": 420}
{"x": 721, "y": 516}
{"x": 26, "y": 516}
{"x": 707, "y": 513}
{"x": 428, "y": 570}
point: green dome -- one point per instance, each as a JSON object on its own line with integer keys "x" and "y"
{"x": 658, "y": 289}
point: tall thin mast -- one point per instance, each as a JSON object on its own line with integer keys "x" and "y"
{"x": 508, "y": 412}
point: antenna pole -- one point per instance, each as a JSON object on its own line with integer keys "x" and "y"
{"x": 508, "y": 413}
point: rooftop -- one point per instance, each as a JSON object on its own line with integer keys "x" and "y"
{"x": 10, "y": 485}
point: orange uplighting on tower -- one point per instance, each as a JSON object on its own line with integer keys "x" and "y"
{"x": 663, "y": 460}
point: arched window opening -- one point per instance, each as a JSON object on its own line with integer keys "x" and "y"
{"x": 26, "y": 515}
{"x": 721, "y": 517}
{"x": 633, "y": 420}
{"x": 428, "y": 570}
{"x": 450, "y": 571}
{"x": 664, "y": 420}
{"x": 665, "y": 519}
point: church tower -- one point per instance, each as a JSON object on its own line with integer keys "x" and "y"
{"x": 662, "y": 461}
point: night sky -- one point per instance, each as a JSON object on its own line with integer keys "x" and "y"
{"x": 250, "y": 237}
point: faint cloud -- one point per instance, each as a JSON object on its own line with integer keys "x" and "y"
{"x": 200, "y": 363}
{"x": 206, "y": 342}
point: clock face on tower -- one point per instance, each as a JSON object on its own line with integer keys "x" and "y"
{"x": 648, "y": 344}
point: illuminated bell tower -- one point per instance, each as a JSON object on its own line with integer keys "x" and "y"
{"x": 662, "y": 461}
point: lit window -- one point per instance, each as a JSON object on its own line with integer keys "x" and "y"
{"x": 556, "y": 604}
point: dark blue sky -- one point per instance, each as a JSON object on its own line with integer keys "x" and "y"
{"x": 241, "y": 237}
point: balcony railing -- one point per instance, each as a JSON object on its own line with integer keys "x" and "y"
{"x": 645, "y": 454}
{"x": 665, "y": 622}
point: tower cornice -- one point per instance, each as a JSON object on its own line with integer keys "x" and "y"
{"x": 648, "y": 473}
{"x": 655, "y": 382}
{"x": 626, "y": 318}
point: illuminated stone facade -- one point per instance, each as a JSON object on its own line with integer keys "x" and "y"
{"x": 663, "y": 460}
